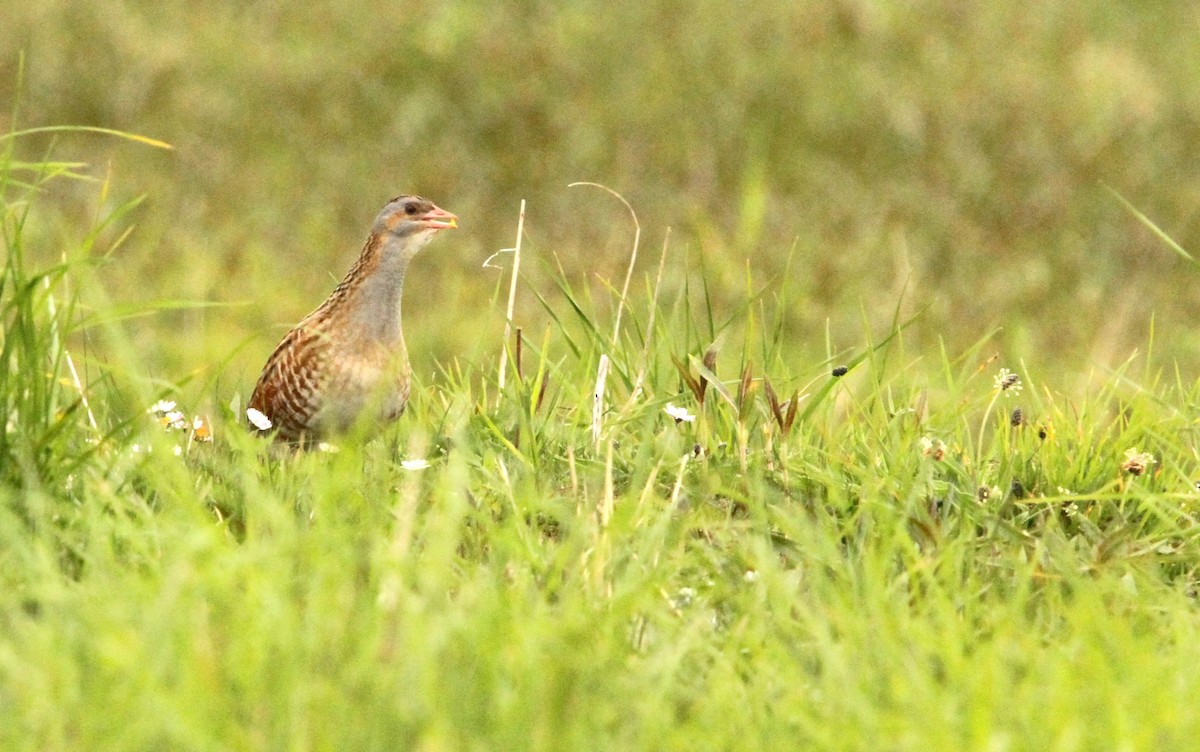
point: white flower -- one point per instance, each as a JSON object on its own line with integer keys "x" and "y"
{"x": 750, "y": 576}
{"x": 177, "y": 450}
{"x": 678, "y": 413}
{"x": 414, "y": 464}
{"x": 174, "y": 419}
{"x": 257, "y": 419}
{"x": 161, "y": 407}
{"x": 201, "y": 431}
{"x": 328, "y": 448}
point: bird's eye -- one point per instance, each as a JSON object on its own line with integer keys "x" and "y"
{"x": 410, "y": 209}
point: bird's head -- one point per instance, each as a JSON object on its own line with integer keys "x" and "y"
{"x": 412, "y": 216}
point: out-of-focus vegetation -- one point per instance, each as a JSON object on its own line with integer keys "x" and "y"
{"x": 745, "y": 549}
{"x": 948, "y": 152}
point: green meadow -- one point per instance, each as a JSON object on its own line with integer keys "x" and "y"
{"x": 841, "y": 393}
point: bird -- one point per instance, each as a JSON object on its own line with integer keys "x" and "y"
{"x": 345, "y": 366}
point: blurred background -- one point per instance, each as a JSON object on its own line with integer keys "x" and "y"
{"x": 851, "y": 156}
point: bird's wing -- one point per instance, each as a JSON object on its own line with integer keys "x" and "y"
{"x": 288, "y": 391}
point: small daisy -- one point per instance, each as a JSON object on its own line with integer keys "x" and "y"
{"x": 162, "y": 407}
{"x": 201, "y": 430}
{"x": 174, "y": 419}
{"x": 680, "y": 414}
{"x": 257, "y": 419}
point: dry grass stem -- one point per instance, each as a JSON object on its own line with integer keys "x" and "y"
{"x": 512, "y": 294}
{"x": 598, "y": 400}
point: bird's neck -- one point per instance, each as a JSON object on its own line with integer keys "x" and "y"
{"x": 373, "y": 288}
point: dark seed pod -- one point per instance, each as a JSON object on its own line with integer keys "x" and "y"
{"x": 1016, "y": 418}
{"x": 840, "y": 371}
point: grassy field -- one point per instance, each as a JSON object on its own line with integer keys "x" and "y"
{"x": 891, "y": 443}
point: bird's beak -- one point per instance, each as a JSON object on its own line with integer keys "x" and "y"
{"x": 440, "y": 219}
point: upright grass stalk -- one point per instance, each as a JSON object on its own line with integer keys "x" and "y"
{"x": 653, "y": 312}
{"x": 512, "y": 295}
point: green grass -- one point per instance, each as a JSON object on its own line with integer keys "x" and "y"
{"x": 888, "y": 563}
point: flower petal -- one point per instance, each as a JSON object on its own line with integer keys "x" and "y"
{"x": 678, "y": 413}
{"x": 258, "y": 420}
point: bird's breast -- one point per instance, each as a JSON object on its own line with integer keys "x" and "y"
{"x": 365, "y": 382}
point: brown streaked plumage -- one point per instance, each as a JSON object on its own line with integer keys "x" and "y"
{"x": 346, "y": 362}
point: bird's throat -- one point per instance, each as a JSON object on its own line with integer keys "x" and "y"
{"x": 374, "y": 308}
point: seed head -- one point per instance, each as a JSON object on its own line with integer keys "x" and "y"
{"x": 935, "y": 449}
{"x": 1008, "y": 382}
{"x": 1137, "y": 462}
